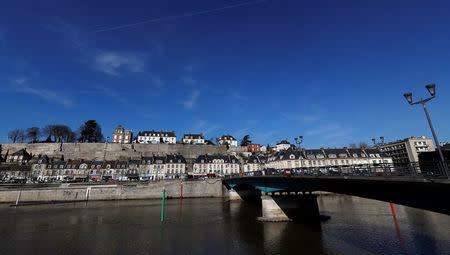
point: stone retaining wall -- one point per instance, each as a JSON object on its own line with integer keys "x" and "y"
{"x": 153, "y": 190}
{"x": 111, "y": 151}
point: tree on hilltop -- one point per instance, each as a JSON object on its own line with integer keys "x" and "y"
{"x": 14, "y": 135}
{"x": 246, "y": 140}
{"x": 59, "y": 133}
{"x": 33, "y": 133}
{"x": 90, "y": 132}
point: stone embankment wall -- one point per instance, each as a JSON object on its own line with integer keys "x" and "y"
{"x": 153, "y": 190}
{"x": 111, "y": 151}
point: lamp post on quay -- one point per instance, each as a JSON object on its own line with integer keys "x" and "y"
{"x": 432, "y": 90}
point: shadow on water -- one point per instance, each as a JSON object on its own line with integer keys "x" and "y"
{"x": 274, "y": 237}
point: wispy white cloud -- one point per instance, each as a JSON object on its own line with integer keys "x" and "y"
{"x": 46, "y": 94}
{"x": 20, "y": 81}
{"x": 192, "y": 100}
{"x": 113, "y": 63}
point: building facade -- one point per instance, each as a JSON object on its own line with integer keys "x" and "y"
{"x": 228, "y": 140}
{"x": 216, "y": 164}
{"x": 193, "y": 139}
{"x": 253, "y": 147}
{"x": 282, "y": 145}
{"x": 120, "y": 135}
{"x": 254, "y": 163}
{"x": 328, "y": 159}
{"x": 156, "y": 137}
{"x": 406, "y": 151}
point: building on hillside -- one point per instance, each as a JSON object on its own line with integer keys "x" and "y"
{"x": 430, "y": 161}
{"x": 193, "y": 139}
{"x": 16, "y": 172}
{"x": 215, "y": 164}
{"x": 156, "y": 137}
{"x": 255, "y": 163}
{"x": 120, "y": 135}
{"x": 253, "y": 147}
{"x": 162, "y": 167}
{"x": 282, "y": 145}
{"x": 228, "y": 140}
{"x": 19, "y": 157}
{"x": 406, "y": 152}
{"x": 329, "y": 159}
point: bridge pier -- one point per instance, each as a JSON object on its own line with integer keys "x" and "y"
{"x": 233, "y": 195}
{"x": 289, "y": 208}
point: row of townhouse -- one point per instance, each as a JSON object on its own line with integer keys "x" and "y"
{"x": 327, "y": 158}
{"x": 43, "y": 168}
{"x": 120, "y": 135}
{"x": 216, "y": 164}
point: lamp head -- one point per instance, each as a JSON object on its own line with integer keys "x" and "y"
{"x": 432, "y": 89}
{"x": 408, "y": 97}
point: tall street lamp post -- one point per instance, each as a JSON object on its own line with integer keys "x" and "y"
{"x": 298, "y": 141}
{"x": 432, "y": 90}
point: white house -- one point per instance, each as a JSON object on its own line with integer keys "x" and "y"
{"x": 155, "y": 137}
{"x": 228, "y": 140}
{"x": 215, "y": 164}
{"x": 282, "y": 145}
{"x": 255, "y": 163}
{"x": 328, "y": 159}
{"x": 193, "y": 139}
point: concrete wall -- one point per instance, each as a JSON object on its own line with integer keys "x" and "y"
{"x": 191, "y": 189}
{"x": 112, "y": 151}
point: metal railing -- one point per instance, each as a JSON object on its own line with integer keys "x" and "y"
{"x": 412, "y": 170}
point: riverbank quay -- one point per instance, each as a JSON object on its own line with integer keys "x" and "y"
{"x": 72, "y": 192}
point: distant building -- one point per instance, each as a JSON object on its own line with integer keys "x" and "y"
{"x": 430, "y": 162}
{"x": 282, "y": 145}
{"x": 406, "y": 151}
{"x": 120, "y": 135}
{"x": 253, "y": 147}
{"x": 193, "y": 139}
{"x": 155, "y": 137}
{"x": 228, "y": 140}
{"x": 255, "y": 163}
{"x": 216, "y": 164}
{"x": 326, "y": 159}
{"x": 19, "y": 157}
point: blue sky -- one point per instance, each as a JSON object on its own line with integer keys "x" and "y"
{"x": 332, "y": 71}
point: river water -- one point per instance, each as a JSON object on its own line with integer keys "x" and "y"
{"x": 216, "y": 226}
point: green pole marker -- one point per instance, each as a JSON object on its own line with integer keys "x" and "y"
{"x": 163, "y": 201}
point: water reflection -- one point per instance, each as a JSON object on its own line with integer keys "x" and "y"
{"x": 215, "y": 226}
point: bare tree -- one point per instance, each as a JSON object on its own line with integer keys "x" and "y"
{"x": 33, "y": 133}
{"x": 21, "y": 137}
{"x": 353, "y": 145}
{"x": 59, "y": 133}
{"x": 13, "y": 135}
{"x": 363, "y": 144}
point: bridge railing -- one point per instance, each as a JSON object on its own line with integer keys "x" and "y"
{"x": 413, "y": 170}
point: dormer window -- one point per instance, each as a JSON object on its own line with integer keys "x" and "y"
{"x": 355, "y": 155}
{"x": 332, "y": 155}
{"x": 292, "y": 156}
